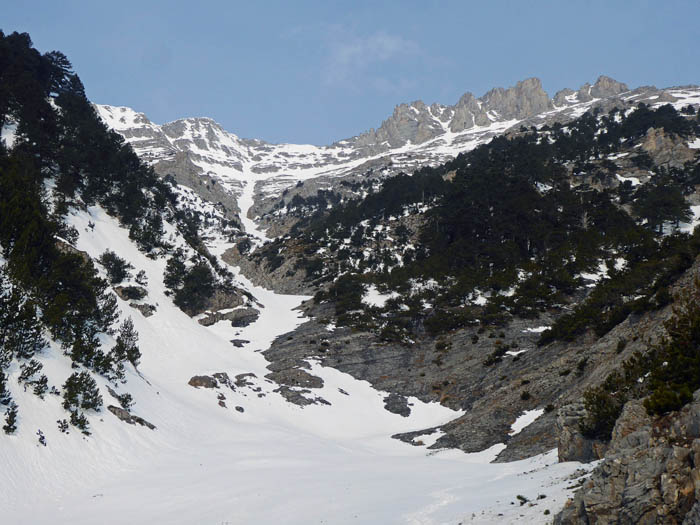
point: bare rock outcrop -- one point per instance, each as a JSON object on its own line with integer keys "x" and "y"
{"x": 650, "y": 473}
{"x": 571, "y": 443}
{"x": 239, "y": 317}
{"x": 129, "y": 418}
{"x": 666, "y": 149}
{"x": 524, "y": 99}
{"x": 203, "y": 381}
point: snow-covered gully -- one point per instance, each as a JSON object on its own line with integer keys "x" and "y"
{"x": 260, "y": 459}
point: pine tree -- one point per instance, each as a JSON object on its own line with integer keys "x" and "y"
{"x": 80, "y": 391}
{"x": 5, "y": 396}
{"x": 10, "y": 419}
{"x": 126, "y": 348}
{"x": 117, "y": 268}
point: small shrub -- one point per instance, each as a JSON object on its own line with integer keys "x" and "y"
{"x": 621, "y": 344}
{"x": 602, "y": 408}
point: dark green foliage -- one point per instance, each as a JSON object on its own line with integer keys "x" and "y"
{"x": 78, "y": 419}
{"x": 672, "y": 367}
{"x": 175, "y": 270}
{"x": 10, "y": 419}
{"x": 28, "y": 372}
{"x": 603, "y": 408}
{"x": 244, "y": 246}
{"x": 141, "y": 278}
{"x": 126, "y": 348}
{"x": 80, "y": 392}
{"x": 642, "y": 286}
{"x": 515, "y": 219}
{"x": 447, "y": 319}
{"x": 5, "y": 396}
{"x": 192, "y": 287}
{"x": 675, "y": 373}
{"x": 660, "y": 202}
{"x": 126, "y": 401}
{"x": 198, "y": 286}
{"x": 20, "y": 330}
{"x": 117, "y": 268}
{"x": 346, "y": 293}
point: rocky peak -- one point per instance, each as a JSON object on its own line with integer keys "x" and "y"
{"x": 604, "y": 87}
{"x": 607, "y": 87}
{"x": 412, "y": 122}
{"x": 525, "y": 99}
{"x": 468, "y": 112}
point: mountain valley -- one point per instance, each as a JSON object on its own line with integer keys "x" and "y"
{"x": 468, "y": 314}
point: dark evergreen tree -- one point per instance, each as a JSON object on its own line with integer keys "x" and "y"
{"x": 126, "y": 348}
{"x": 117, "y": 268}
{"x": 80, "y": 392}
{"x": 10, "y": 419}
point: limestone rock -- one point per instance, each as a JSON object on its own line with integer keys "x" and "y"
{"x": 129, "y": 418}
{"x": 526, "y": 98}
{"x": 571, "y": 443}
{"x": 468, "y": 113}
{"x": 147, "y": 310}
{"x": 295, "y": 377}
{"x": 243, "y": 317}
{"x": 397, "y": 404}
{"x": 243, "y": 380}
{"x": 64, "y": 247}
{"x": 649, "y": 475}
{"x": 203, "y": 381}
{"x": 130, "y": 293}
{"x": 607, "y": 87}
{"x": 666, "y": 149}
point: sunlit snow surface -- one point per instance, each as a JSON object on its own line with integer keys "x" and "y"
{"x": 273, "y": 463}
{"x": 8, "y": 134}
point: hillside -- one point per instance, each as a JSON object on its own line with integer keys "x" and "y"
{"x": 138, "y": 391}
{"x": 445, "y": 319}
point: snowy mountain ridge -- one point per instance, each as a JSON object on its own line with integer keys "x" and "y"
{"x": 414, "y": 135}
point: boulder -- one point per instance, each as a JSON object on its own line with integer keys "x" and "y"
{"x": 129, "y": 418}
{"x": 243, "y": 316}
{"x": 203, "y": 381}
{"x": 571, "y": 443}
{"x": 147, "y": 310}
{"x": 130, "y": 293}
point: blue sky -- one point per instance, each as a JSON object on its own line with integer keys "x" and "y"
{"x": 317, "y": 72}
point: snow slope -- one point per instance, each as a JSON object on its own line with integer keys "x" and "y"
{"x": 273, "y": 462}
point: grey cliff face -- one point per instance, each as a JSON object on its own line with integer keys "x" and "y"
{"x": 525, "y": 99}
{"x": 468, "y": 112}
{"x": 607, "y": 87}
{"x": 649, "y": 475}
{"x": 419, "y": 123}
